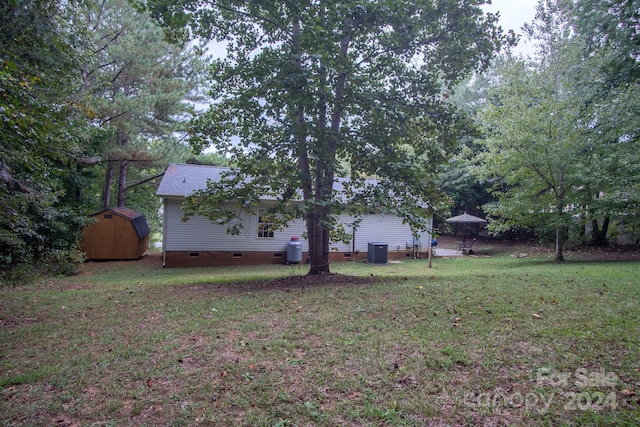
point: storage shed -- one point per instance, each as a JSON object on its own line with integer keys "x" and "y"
{"x": 116, "y": 234}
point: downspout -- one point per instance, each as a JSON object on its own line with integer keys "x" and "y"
{"x": 164, "y": 231}
{"x": 353, "y": 243}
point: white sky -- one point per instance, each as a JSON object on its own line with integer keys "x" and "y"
{"x": 513, "y": 14}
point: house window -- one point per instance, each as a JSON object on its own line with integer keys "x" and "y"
{"x": 265, "y": 227}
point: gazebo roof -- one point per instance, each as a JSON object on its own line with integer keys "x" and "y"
{"x": 465, "y": 218}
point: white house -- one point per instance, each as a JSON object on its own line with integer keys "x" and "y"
{"x": 198, "y": 241}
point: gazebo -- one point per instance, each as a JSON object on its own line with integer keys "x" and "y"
{"x": 469, "y": 223}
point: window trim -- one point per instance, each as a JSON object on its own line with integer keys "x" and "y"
{"x": 265, "y": 230}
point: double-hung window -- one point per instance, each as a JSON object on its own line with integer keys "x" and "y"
{"x": 265, "y": 227}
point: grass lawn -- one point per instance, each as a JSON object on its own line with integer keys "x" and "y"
{"x": 473, "y": 341}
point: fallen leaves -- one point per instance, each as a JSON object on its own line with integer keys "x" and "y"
{"x": 63, "y": 421}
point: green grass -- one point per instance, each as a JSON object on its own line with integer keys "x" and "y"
{"x": 472, "y": 341}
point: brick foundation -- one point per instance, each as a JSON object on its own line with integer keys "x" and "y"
{"x": 173, "y": 259}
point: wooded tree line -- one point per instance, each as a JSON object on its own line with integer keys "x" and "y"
{"x": 559, "y": 147}
{"x": 93, "y": 102}
{"x": 97, "y": 97}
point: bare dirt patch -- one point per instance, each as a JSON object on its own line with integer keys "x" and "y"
{"x": 300, "y": 282}
{"x": 286, "y": 284}
{"x": 492, "y": 246}
{"x": 152, "y": 259}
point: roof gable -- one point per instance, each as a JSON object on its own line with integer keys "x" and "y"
{"x": 182, "y": 180}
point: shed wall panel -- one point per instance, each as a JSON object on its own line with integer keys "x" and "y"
{"x": 112, "y": 237}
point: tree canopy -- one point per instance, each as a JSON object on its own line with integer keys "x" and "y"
{"x": 312, "y": 90}
{"x": 74, "y": 76}
{"x": 138, "y": 86}
{"x": 557, "y": 153}
{"x": 40, "y": 130}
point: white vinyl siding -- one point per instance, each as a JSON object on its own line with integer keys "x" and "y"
{"x": 199, "y": 234}
{"x": 378, "y": 228}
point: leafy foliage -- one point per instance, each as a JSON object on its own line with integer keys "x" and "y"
{"x": 613, "y": 24}
{"x": 313, "y": 90}
{"x": 554, "y": 150}
{"x": 40, "y": 124}
{"x": 611, "y": 29}
{"x": 72, "y": 79}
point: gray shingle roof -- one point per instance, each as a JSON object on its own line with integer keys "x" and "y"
{"x": 182, "y": 180}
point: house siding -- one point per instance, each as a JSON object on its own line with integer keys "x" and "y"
{"x": 377, "y": 228}
{"x": 199, "y": 234}
{"x": 199, "y": 242}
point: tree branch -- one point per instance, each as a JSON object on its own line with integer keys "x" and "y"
{"x": 143, "y": 181}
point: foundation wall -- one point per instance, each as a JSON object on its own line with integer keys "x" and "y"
{"x": 174, "y": 259}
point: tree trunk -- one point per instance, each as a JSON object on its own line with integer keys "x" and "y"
{"x": 560, "y": 230}
{"x": 560, "y": 227}
{"x": 313, "y": 216}
{"x": 316, "y": 255}
{"x": 319, "y": 244}
{"x": 123, "y": 139}
{"x": 122, "y": 184}
{"x": 559, "y": 242}
{"x": 325, "y": 166}
{"x": 599, "y": 234}
{"x": 106, "y": 190}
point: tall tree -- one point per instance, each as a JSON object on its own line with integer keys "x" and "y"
{"x": 140, "y": 84}
{"x": 554, "y": 154}
{"x": 535, "y": 143}
{"x": 40, "y": 129}
{"x": 457, "y": 177}
{"x": 317, "y": 88}
{"x": 613, "y": 34}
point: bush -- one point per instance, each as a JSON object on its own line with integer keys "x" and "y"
{"x": 18, "y": 275}
{"x": 62, "y": 262}
{"x": 56, "y": 263}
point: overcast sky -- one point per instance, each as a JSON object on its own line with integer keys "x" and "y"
{"x": 513, "y": 14}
